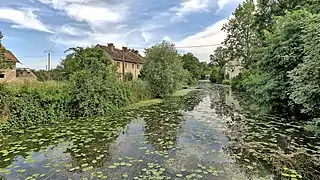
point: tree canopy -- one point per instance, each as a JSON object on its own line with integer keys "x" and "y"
{"x": 163, "y": 69}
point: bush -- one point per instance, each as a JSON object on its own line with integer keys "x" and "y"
{"x": 139, "y": 90}
{"x": 215, "y": 76}
{"x": 226, "y": 82}
{"x": 128, "y": 76}
{"x": 28, "y": 104}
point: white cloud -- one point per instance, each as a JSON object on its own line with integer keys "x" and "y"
{"x": 23, "y": 18}
{"x": 73, "y": 31}
{"x": 91, "y": 11}
{"x": 210, "y": 35}
{"x": 190, "y": 6}
{"x": 223, "y": 3}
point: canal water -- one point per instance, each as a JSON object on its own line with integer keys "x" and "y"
{"x": 206, "y": 134}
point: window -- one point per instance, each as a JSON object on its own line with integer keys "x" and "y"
{"x": 125, "y": 65}
{"x": 138, "y": 66}
{"x": 132, "y": 66}
{"x": 118, "y": 64}
{"x": 1, "y": 75}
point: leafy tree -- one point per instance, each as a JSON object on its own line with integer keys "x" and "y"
{"x": 241, "y": 35}
{"x": 306, "y": 76}
{"x": 163, "y": 69}
{"x": 192, "y": 64}
{"x": 2, "y": 51}
{"x": 283, "y": 52}
{"x": 93, "y": 85}
{"x": 92, "y": 59}
{"x": 219, "y": 57}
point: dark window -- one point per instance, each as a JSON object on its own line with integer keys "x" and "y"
{"x": 138, "y": 66}
{"x": 132, "y": 66}
{"x": 118, "y": 64}
{"x": 125, "y": 65}
{"x": 1, "y": 75}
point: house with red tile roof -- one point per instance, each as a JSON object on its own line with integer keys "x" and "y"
{"x": 127, "y": 60}
{"x": 9, "y": 72}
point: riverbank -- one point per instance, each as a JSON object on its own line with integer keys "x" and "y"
{"x": 34, "y": 103}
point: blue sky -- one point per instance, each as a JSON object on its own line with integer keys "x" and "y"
{"x": 32, "y": 26}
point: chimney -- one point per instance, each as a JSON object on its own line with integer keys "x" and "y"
{"x": 111, "y": 46}
{"x": 124, "y": 49}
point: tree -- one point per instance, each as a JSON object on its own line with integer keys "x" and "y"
{"x": 2, "y": 51}
{"x": 163, "y": 69}
{"x": 283, "y": 52}
{"x": 191, "y": 63}
{"x": 219, "y": 57}
{"x": 306, "y": 76}
{"x": 241, "y": 35}
{"x": 94, "y": 89}
{"x": 91, "y": 59}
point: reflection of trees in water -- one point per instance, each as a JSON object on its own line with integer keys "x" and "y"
{"x": 218, "y": 96}
{"x": 163, "y": 121}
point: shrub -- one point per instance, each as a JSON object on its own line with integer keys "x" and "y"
{"x": 28, "y": 104}
{"x": 226, "y": 82}
{"x": 139, "y": 90}
{"x": 128, "y": 76}
{"x": 215, "y": 76}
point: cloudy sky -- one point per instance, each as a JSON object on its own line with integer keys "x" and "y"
{"x": 32, "y": 26}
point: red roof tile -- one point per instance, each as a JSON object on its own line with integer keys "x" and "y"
{"x": 11, "y": 57}
{"x": 116, "y": 54}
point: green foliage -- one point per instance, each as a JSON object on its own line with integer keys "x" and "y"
{"x": 192, "y": 64}
{"x": 306, "y": 76}
{"x": 139, "y": 90}
{"x": 226, "y": 82}
{"x": 94, "y": 89}
{"x": 163, "y": 69}
{"x": 220, "y": 57}
{"x": 90, "y": 59}
{"x": 128, "y": 76}
{"x": 241, "y": 39}
{"x": 216, "y": 76}
{"x": 313, "y": 126}
{"x": 283, "y": 52}
{"x": 94, "y": 94}
{"x": 35, "y": 103}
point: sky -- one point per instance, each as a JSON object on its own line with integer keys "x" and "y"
{"x": 31, "y": 27}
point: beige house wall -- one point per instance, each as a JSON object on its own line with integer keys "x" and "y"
{"x": 129, "y": 67}
{"x": 9, "y": 74}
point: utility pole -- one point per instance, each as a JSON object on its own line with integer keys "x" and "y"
{"x": 49, "y": 52}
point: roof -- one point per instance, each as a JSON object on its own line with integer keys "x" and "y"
{"x": 11, "y": 57}
{"x": 131, "y": 55}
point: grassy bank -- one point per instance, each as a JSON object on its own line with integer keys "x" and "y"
{"x": 32, "y": 103}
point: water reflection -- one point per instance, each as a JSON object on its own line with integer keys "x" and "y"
{"x": 204, "y": 135}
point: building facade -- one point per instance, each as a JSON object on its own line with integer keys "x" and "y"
{"x": 9, "y": 73}
{"x": 126, "y": 60}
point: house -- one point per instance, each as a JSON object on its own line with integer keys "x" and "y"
{"x": 232, "y": 69}
{"x": 127, "y": 60}
{"x": 9, "y": 72}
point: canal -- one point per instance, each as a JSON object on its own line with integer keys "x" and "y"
{"x": 206, "y": 134}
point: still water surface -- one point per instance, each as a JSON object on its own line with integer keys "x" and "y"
{"x": 204, "y": 135}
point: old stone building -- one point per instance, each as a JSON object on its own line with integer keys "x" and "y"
{"x": 127, "y": 60}
{"x": 9, "y": 73}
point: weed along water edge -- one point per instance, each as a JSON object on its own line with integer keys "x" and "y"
{"x": 202, "y": 135}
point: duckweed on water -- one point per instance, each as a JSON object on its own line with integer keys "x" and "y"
{"x": 197, "y": 136}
